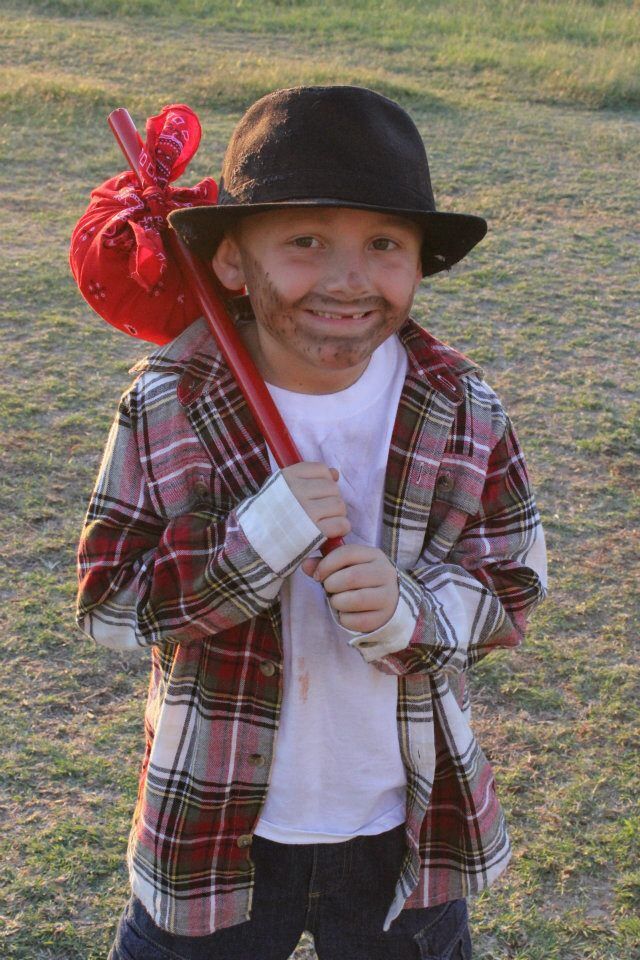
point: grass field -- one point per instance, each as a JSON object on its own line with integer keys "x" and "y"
{"x": 529, "y": 114}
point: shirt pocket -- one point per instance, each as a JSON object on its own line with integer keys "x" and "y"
{"x": 190, "y": 487}
{"x": 457, "y": 496}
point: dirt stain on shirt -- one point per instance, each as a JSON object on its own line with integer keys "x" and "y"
{"x": 303, "y": 680}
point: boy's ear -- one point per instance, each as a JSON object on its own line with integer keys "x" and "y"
{"x": 227, "y": 264}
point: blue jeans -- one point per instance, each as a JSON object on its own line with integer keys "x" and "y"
{"x": 340, "y": 892}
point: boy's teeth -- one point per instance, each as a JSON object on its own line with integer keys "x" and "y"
{"x": 339, "y": 316}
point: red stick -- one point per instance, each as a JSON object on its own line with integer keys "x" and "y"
{"x": 238, "y": 359}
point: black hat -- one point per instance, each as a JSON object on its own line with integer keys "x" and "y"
{"x": 329, "y": 146}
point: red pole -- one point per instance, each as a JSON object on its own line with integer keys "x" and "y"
{"x": 238, "y": 359}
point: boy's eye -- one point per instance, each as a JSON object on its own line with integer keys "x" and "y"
{"x": 384, "y": 243}
{"x": 304, "y": 242}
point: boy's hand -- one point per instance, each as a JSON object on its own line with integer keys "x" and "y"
{"x": 315, "y": 487}
{"x": 362, "y": 584}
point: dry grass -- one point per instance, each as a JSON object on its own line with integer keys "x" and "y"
{"x": 548, "y": 304}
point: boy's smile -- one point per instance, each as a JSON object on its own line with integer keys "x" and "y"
{"x": 328, "y": 285}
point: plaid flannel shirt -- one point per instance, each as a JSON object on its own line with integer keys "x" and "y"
{"x": 166, "y": 562}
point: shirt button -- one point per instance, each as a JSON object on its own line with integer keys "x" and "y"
{"x": 244, "y": 840}
{"x": 256, "y": 760}
{"x": 244, "y": 866}
{"x": 445, "y": 482}
{"x": 267, "y": 668}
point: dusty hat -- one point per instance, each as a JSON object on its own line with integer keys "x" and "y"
{"x": 329, "y": 146}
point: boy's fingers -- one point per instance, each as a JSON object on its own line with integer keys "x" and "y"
{"x": 344, "y": 556}
{"x": 315, "y": 488}
{"x": 309, "y": 565}
{"x": 356, "y": 577}
{"x": 357, "y": 601}
{"x": 310, "y": 470}
{"x": 361, "y": 622}
{"x": 327, "y": 507}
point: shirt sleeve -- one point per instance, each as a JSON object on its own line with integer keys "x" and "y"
{"x": 144, "y": 580}
{"x": 392, "y": 636}
{"x": 481, "y": 597}
{"x": 277, "y": 526}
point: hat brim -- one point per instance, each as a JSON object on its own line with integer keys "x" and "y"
{"x": 448, "y": 237}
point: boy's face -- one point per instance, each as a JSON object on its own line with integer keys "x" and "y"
{"x": 328, "y": 285}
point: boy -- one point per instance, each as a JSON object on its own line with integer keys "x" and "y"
{"x": 309, "y": 760}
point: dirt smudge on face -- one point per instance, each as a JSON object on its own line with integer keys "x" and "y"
{"x": 277, "y": 318}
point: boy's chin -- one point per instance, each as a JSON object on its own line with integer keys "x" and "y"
{"x": 340, "y": 357}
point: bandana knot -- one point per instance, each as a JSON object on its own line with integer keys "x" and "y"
{"x": 126, "y": 219}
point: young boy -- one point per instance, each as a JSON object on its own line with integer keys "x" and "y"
{"x": 309, "y": 760}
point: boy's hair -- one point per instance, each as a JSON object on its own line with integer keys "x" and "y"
{"x": 329, "y": 146}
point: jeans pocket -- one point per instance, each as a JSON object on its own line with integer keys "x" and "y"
{"x": 448, "y": 937}
{"x": 142, "y": 949}
{"x": 132, "y": 944}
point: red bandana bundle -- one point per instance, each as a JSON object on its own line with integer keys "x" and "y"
{"x": 118, "y": 255}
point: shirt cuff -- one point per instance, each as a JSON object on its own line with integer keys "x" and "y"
{"x": 392, "y": 636}
{"x": 277, "y": 526}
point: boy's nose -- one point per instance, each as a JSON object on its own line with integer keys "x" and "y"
{"x": 347, "y": 275}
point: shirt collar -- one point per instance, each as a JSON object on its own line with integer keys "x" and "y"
{"x": 195, "y": 353}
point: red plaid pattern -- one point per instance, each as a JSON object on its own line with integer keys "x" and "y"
{"x": 164, "y": 562}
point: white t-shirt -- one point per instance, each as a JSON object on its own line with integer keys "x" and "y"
{"x": 337, "y": 770}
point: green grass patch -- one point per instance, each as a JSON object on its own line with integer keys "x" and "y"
{"x": 584, "y": 53}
